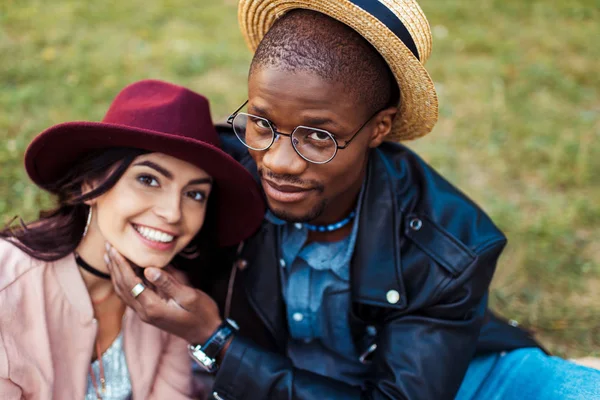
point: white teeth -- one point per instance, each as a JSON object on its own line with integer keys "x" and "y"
{"x": 154, "y": 235}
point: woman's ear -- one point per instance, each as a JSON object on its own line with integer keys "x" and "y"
{"x": 383, "y": 126}
{"x": 86, "y": 188}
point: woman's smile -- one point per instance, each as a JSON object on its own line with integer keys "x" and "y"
{"x": 155, "y": 238}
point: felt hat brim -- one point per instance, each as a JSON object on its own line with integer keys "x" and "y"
{"x": 240, "y": 204}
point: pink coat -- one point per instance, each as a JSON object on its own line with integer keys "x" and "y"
{"x": 48, "y": 330}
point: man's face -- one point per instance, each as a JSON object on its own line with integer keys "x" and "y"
{"x": 296, "y": 189}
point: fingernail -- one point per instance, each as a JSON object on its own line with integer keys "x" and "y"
{"x": 152, "y": 275}
{"x": 106, "y": 258}
{"x": 107, "y": 246}
{"x": 113, "y": 252}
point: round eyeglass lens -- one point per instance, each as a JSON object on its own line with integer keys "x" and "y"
{"x": 255, "y": 132}
{"x": 314, "y": 144}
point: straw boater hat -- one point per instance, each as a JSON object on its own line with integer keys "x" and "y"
{"x": 158, "y": 117}
{"x": 397, "y": 29}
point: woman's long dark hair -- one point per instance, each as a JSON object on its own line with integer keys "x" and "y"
{"x": 58, "y": 232}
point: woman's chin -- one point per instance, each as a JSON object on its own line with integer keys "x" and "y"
{"x": 153, "y": 266}
{"x": 147, "y": 262}
{"x": 150, "y": 264}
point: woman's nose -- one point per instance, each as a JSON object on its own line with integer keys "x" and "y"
{"x": 169, "y": 208}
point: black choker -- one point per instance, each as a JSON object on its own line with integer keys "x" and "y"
{"x": 90, "y": 269}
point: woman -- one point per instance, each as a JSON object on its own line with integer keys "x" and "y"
{"x": 141, "y": 180}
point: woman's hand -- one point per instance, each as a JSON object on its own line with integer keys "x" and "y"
{"x": 171, "y": 306}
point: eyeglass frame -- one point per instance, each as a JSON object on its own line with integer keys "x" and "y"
{"x": 277, "y": 133}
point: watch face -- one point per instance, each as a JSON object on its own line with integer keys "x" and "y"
{"x": 205, "y": 354}
{"x": 203, "y": 360}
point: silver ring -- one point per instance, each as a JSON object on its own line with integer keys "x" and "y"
{"x": 137, "y": 290}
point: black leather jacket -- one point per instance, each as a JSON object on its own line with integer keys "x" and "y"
{"x": 418, "y": 236}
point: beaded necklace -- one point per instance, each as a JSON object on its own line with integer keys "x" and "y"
{"x": 331, "y": 227}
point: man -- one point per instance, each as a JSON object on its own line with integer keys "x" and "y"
{"x": 370, "y": 274}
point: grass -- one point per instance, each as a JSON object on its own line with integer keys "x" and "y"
{"x": 519, "y": 127}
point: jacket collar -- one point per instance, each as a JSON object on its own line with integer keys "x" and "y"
{"x": 376, "y": 266}
{"x": 73, "y": 286}
{"x": 263, "y": 282}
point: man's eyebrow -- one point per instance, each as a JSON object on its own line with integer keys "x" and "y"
{"x": 166, "y": 173}
{"x": 319, "y": 121}
{"x": 257, "y": 110}
{"x": 308, "y": 121}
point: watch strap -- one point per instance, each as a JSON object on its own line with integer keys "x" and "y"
{"x": 206, "y": 355}
{"x": 217, "y": 341}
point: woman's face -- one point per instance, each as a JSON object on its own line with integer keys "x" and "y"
{"x": 154, "y": 210}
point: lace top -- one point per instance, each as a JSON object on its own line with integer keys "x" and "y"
{"x": 118, "y": 384}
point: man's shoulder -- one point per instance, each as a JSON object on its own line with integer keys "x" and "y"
{"x": 428, "y": 201}
{"x": 230, "y": 143}
{"x": 422, "y": 237}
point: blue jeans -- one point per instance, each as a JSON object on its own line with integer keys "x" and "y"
{"x": 528, "y": 374}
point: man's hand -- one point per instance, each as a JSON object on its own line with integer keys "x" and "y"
{"x": 172, "y": 307}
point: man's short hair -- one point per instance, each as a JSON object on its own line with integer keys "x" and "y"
{"x": 305, "y": 40}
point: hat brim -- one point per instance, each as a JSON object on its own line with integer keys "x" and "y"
{"x": 418, "y": 111}
{"x": 241, "y": 207}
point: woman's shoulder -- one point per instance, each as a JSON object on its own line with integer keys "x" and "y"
{"x": 15, "y": 264}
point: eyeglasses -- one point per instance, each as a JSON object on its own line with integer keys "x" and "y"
{"x": 312, "y": 144}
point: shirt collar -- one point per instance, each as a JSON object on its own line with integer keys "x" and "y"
{"x": 335, "y": 257}
{"x": 269, "y": 216}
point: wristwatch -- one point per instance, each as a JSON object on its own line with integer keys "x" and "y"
{"x": 206, "y": 354}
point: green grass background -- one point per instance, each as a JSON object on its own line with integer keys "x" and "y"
{"x": 519, "y": 127}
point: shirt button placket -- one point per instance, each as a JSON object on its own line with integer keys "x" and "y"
{"x": 298, "y": 317}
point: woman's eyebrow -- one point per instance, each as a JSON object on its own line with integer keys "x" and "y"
{"x": 200, "y": 181}
{"x": 169, "y": 175}
{"x": 156, "y": 167}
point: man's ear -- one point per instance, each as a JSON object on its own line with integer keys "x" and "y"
{"x": 383, "y": 126}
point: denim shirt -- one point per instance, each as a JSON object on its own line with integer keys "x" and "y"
{"x": 316, "y": 289}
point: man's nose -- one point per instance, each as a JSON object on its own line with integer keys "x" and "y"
{"x": 282, "y": 159}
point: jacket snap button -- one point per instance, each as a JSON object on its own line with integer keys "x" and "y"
{"x": 415, "y": 224}
{"x": 392, "y": 296}
{"x": 241, "y": 264}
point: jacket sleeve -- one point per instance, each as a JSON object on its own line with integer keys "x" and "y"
{"x": 8, "y": 389}
{"x": 446, "y": 332}
{"x": 174, "y": 376}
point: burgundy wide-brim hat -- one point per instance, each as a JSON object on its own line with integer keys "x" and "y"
{"x": 158, "y": 117}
